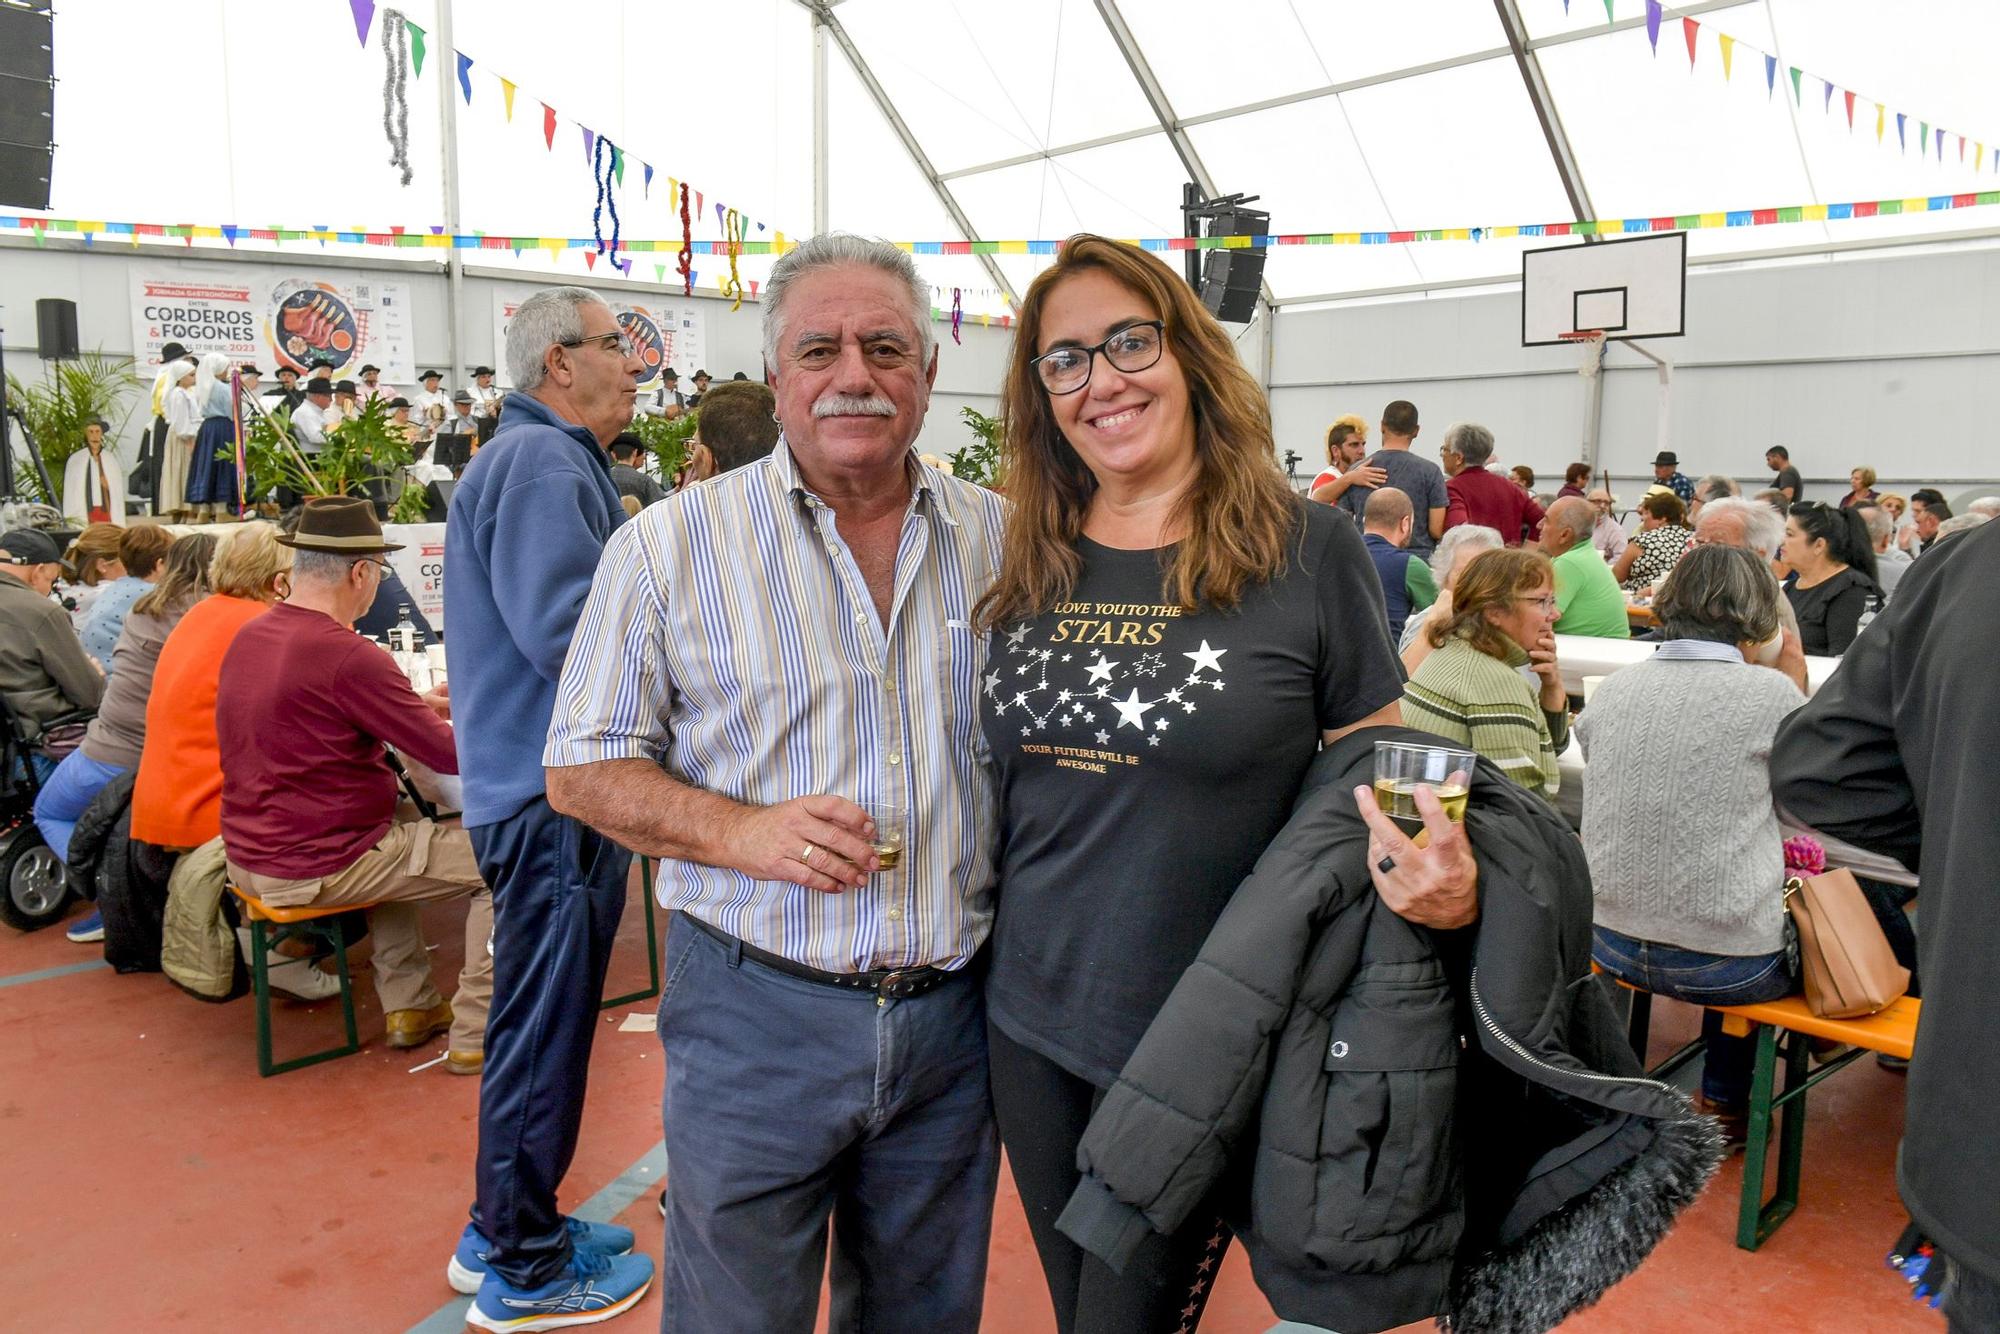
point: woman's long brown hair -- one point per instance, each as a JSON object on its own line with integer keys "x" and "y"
{"x": 1236, "y": 518}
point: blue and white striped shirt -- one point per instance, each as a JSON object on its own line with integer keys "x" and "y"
{"x": 731, "y": 638}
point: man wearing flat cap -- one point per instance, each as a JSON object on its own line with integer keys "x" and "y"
{"x": 44, "y": 672}
{"x": 309, "y": 805}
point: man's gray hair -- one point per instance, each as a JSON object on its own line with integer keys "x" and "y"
{"x": 1958, "y": 523}
{"x": 1473, "y": 536}
{"x": 552, "y": 315}
{"x": 1880, "y": 525}
{"x": 1715, "y": 486}
{"x": 309, "y": 566}
{"x": 1763, "y": 527}
{"x": 1470, "y": 441}
{"x": 834, "y": 250}
{"x": 1987, "y": 505}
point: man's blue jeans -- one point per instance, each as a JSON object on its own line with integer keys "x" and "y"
{"x": 558, "y": 891}
{"x": 66, "y": 794}
{"x": 790, "y": 1102}
{"x": 1703, "y": 979}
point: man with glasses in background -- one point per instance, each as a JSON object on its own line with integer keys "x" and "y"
{"x": 529, "y": 520}
{"x": 309, "y": 809}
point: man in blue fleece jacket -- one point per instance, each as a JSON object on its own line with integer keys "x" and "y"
{"x": 528, "y": 525}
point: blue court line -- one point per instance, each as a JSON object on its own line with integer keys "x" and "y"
{"x": 641, "y": 1178}
{"x": 44, "y": 974}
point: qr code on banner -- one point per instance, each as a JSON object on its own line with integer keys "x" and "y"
{"x": 363, "y": 293}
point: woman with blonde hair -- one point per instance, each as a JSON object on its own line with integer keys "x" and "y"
{"x": 1175, "y": 633}
{"x": 177, "y": 800}
{"x": 1471, "y": 689}
{"x": 1860, "y": 487}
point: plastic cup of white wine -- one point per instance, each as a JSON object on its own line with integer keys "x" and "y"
{"x": 1401, "y": 768}
{"x": 888, "y": 839}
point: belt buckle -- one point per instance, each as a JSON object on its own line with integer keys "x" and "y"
{"x": 895, "y": 985}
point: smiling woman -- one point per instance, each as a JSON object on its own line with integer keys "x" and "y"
{"x": 1178, "y": 631}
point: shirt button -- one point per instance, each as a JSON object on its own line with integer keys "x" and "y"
{"x": 895, "y": 914}
{"x": 895, "y": 759}
{"x": 860, "y": 618}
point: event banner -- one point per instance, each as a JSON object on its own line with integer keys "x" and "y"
{"x": 668, "y": 331}
{"x": 420, "y": 565}
{"x": 274, "y": 317}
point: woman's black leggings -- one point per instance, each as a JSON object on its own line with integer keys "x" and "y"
{"x": 1043, "y": 1110}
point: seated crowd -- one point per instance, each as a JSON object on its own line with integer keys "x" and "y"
{"x": 159, "y": 687}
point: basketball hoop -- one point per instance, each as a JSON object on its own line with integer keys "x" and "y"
{"x": 1592, "y": 342}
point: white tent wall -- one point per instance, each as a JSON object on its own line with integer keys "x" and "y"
{"x": 98, "y": 280}
{"x": 1846, "y": 360}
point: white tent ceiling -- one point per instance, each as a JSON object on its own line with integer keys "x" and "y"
{"x": 1342, "y": 115}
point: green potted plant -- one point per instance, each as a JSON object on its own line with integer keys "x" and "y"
{"x": 980, "y": 461}
{"x": 666, "y": 440}
{"x": 92, "y": 387}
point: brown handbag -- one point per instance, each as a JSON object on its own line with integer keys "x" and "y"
{"x": 1845, "y": 960}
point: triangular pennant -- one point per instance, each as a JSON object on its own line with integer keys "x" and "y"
{"x": 1689, "y": 28}
{"x": 465, "y": 76}
{"x": 1961, "y": 148}
{"x": 364, "y": 15}
{"x": 1881, "y": 119}
{"x": 416, "y": 47}
{"x": 507, "y": 96}
{"x": 1796, "y": 94}
{"x": 1653, "y": 24}
{"x": 589, "y": 141}
{"x": 1923, "y": 136}
{"x": 1728, "y": 45}
{"x": 1940, "y": 143}
{"x": 548, "y": 126}
{"x": 590, "y": 259}
{"x": 1770, "y": 75}
{"x": 1902, "y": 144}
{"x": 699, "y": 207}
{"x": 229, "y": 234}
{"x": 618, "y": 163}
{"x": 659, "y": 273}
{"x": 721, "y": 214}
{"x": 1849, "y": 94}
{"x": 648, "y": 186}
{"x": 1827, "y": 103}
{"x": 1978, "y": 155}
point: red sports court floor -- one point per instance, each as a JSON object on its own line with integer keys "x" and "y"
{"x": 154, "y": 1182}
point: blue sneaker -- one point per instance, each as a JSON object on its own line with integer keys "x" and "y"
{"x": 468, "y": 1262}
{"x": 89, "y": 931}
{"x": 594, "y": 1287}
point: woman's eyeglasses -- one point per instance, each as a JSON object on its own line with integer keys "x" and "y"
{"x": 1136, "y": 347}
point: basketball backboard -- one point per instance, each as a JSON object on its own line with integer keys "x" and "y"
{"x": 1631, "y": 288}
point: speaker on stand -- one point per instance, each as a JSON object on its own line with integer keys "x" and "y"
{"x": 1232, "y": 280}
{"x": 55, "y": 329}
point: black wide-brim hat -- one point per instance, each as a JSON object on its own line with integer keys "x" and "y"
{"x": 343, "y": 525}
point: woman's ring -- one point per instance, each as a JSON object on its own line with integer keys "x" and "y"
{"x": 1386, "y": 865}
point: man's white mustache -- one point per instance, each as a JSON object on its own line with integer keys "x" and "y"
{"x": 850, "y": 405}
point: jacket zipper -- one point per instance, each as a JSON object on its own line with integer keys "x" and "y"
{"x": 1479, "y": 1007}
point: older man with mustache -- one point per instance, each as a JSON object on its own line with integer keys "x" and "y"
{"x": 773, "y": 668}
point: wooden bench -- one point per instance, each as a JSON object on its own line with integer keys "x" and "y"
{"x": 268, "y": 927}
{"x": 1783, "y": 1028}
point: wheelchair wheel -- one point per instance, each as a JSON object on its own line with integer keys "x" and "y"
{"x": 34, "y": 884}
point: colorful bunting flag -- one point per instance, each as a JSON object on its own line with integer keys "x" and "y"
{"x": 1849, "y": 94}
{"x": 618, "y": 163}
{"x": 1880, "y": 114}
{"x": 1902, "y": 144}
{"x": 1770, "y": 75}
{"x": 1827, "y": 104}
{"x": 1608, "y": 16}
{"x": 1728, "y": 45}
{"x": 589, "y": 142}
{"x": 1797, "y": 96}
{"x": 1688, "y": 28}
{"x": 465, "y": 75}
{"x": 649, "y": 179}
{"x": 548, "y": 126}
{"x": 1653, "y": 24}
{"x": 364, "y": 16}
{"x": 507, "y": 96}
{"x": 416, "y": 47}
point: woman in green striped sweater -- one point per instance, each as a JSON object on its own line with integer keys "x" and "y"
{"x": 1492, "y": 683}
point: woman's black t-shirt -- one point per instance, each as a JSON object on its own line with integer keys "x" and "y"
{"x": 1145, "y": 758}
{"x": 1830, "y": 611}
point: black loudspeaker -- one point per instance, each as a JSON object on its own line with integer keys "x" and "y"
{"x": 437, "y": 501}
{"x": 55, "y": 329}
{"x": 27, "y": 103}
{"x": 1232, "y": 281}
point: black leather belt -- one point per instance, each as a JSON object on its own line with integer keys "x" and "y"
{"x": 884, "y": 983}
